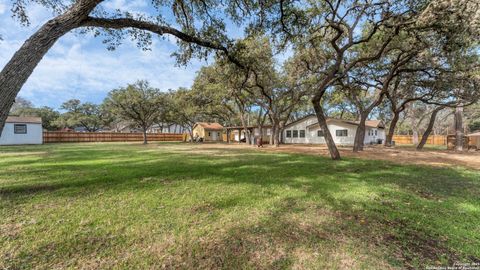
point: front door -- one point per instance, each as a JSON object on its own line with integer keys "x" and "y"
{"x": 214, "y": 136}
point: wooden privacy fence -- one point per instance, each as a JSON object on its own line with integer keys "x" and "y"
{"x": 408, "y": 139}
{"x": 60, "y": 136}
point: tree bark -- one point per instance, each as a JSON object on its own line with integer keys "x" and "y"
{"x": 276, "y": 137}
{"x": 16, "y": 72}
{"x": 322, "y": 121}
{"x": 272, "y": 133}
{"x": 459, "y": 128}
{"x": 145, "y": 135}
{"x": 245, "y": 129}
{"x": 391, "y": 129}
{"x": 360, "y": 133}
{"x": 427, "y": 132}
{"x": 260, "y": 131}
{"x": 191, "y": 135}
{"x": 415, "y": 136}
{"x": 414, "y": 131}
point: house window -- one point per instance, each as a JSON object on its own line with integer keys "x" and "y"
{"x": 218, "y": 134}
{"x": 369, "y": 132}
{"x": 302, "y": 133}
{"x": 289, "y": 133}
{"x": 209, "y": 134}
{"x": 341, "y": 132}
{"x": 376, "y": 132}
{"x": 320, "y": 133}
{"x": 295, "y": 134}
{"x": 20, "y": 129}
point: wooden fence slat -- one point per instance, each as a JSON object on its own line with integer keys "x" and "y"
{"x": 62, "y": 136}
{"x": 408, "y": 139}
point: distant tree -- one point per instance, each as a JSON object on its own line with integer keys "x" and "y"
{"x": 225, "y": 84}
{"x": 24, "y": 107}
{"x": 326, "y": 35}
{"x": 199, "y": 27}
{"x": 49, "y": 116}
{"x": 87, "y": 115}
{"x": 138, "y": 103}
{"x": 215, "y": 88}
{"x": 472, "y": 117}
{"x": 20, "y": 104}
{"x": 186, "y": 108}
{"x": 337, "y": 105}
{"x": 474, "y": 126}
{"x": 278, "y": 92}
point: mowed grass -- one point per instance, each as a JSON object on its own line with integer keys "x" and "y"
{"x": 181, "y": 206}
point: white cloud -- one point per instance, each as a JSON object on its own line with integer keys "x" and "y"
{"x": 79, "y": 66}
{"x": 3, "y": 7}
{"x": 132, "y": 6}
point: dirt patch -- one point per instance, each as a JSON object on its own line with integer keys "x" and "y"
{"x": 401, "y": 155}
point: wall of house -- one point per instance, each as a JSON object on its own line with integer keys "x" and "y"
{"x": 174, "y": 128}
{"x": 475, "y": 141}
{"x": 372, "y": 138}
{"x": 266, "y": 132}
{"x": 198, "y": 130}
{"x": 311, "y": 134}
{"x": 34, "y": 135}
{"x": 213, "y": 135}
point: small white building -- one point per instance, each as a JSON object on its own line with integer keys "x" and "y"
{"x": 22, "y": 130}
{"x": 308, "y": 131}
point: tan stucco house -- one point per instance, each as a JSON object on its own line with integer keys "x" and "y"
{"x": 209, "y": 132}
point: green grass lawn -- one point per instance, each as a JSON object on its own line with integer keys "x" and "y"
{"x": 172, "y": 205}
{"x": 425, "y": 147}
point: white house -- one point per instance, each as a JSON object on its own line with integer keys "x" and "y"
{"x": 237, "y": 133}
{"x": 22, "y": 130}
{"x": 307, "y": 130}
{"x": 166, "y": 128}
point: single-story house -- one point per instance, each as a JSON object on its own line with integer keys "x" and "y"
{"x": 237, "y": 133}
{"x": 474, "y": 139}
{"x": 209, "y": 132}
{"x": 166, "y": 128}
{"x": 22, "y": 130}
{"x": 307, "y": 130}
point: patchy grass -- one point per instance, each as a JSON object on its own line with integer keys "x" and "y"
{"x": 425, "y": 147}
{"x": 118, "y": 205}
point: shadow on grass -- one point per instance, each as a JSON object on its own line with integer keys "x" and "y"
{"x": 390, "y": 210}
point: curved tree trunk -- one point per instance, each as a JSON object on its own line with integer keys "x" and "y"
{"x": 322, "y": 121}
{"x": 360, "y": 133}
{"x": 391, "y": 129}
{"x": 459, "y": 128}
{"x": 427, "y": 132}
{"x": 16, "y": 72}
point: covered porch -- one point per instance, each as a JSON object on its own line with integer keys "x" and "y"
{"x": 237, "y": 134}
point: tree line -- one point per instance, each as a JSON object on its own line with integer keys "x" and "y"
{"x": 367, "y": 57}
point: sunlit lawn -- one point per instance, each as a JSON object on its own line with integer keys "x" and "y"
{"x": 118, "y": 205}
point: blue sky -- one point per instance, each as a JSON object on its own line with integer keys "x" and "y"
{"x": 80, "y": 66}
